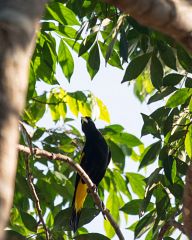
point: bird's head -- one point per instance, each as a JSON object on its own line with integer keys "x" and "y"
{"x": 87, "y": 125}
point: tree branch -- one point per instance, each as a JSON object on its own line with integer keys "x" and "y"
{"x": 75, "y": 166}
{"x": 35, "y": 196}
{"x": 167, "y": 226}
{"x": 172, "y": 17}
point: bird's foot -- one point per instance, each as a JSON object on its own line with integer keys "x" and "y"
{"x": 93, "y": 189}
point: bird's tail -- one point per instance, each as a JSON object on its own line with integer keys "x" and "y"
{"x": 78, "y": 201}
{"x": 75, "y": 219}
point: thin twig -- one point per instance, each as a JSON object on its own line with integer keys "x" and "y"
{"x": 163, "y": 230}
{"x": 48, "y": 103}
{"x": 178, "y": 226}
{"x": 75, "y": 166}
{"x": 35, "y": 196}
{"x": 167, "y": 226}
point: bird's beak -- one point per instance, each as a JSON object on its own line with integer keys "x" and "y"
{"x": 83, "y": 119}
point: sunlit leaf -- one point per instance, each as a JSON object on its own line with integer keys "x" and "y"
{"x": 179, "y": 97}
{"x": 112, "y": 204}
{"x": 150, "y": 154}
{"x": 137, "y": 183}
{"x": 65, "y": 60}
{"x": 188, "y": 142}
{"x": 58, "y": 12}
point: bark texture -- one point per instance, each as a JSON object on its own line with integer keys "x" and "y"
{"x": 19, "y": 20}
{"x": 172, "y": 17}
{"x": 187, "y": 204}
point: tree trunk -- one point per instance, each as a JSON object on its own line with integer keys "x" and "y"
{"x": 19, "y": 20}
{"x": 172, "y": 17}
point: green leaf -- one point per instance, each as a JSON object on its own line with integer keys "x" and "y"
{"x": 156, "y": 71}
{"x": 117, "y": 155}
{"x": 114, "y": 59}
{"x": 91, "y": 236}
{"x": 129, "y": 139}
{"x": 160, "y": 116}
{"x": 150, "y": 154}
{"x": 50, "y": 220}
{"x": 67, "y": 31}
{"x": 65, "y": 60}
{"x": 188, "y": 82}
{"x": 136, "y": 67}
{"x": 29, "y": 221}
{"x": 144, "y": 224}
{"x": 172, "y": 79}
{"x": 93, "y": 63}
{"x": 160, "y": 95}
{"x": 113, "y": 205}
{"x": 188, "y": 142}
{"x": 162, "y": 201}
{"x": 75, "y": 47}
{"x": 87, "y": 43}
{"x": 168, "y": 56}
{"x": 169, "y": 165}
{"x": 184, "y": 59}
{"x": 133, "y": 207}
{"x": 149, "y": 126}
{"x": 32, "y": 82}
{"x": 58, "y": 12}
{"x": 44, "y": 60}
{"x": 35, "y": 110}
{"x": 123, "y": 45}
{"x": 38, "y": 134}
{"x": 179, "y": 97}
{"x": 137, "y": 183}
{"x": 54, "y": 106}
{"x": 61, "y": 220}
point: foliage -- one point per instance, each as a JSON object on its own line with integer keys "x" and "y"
{"x": 160, "y": 71}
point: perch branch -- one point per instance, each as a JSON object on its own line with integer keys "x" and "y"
{"x": 75, "y": 166}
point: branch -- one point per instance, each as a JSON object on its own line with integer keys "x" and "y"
{"x": 167, "y": 226}
{"x": 172, "y": 17}
{"x": 75, "y": 166}
{"x": 178, "y": 226}
{"x": 163, "y": 230}
{"x": 35, "y": 196}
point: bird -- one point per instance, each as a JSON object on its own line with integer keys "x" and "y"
{"x": 95, "y": 158}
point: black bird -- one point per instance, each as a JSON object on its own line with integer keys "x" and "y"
{"x": 94, "y": 160}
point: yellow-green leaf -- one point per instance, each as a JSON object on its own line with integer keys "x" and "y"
{"x": 84, "y": 109}
{"x": 104, "y": 114}
{"x": 72, "y": 103}
{"x": 113, "y": 206}
{"x": 188, "y": 142}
